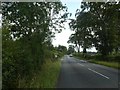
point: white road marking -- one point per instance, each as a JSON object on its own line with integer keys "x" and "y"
{"x": 81, "y": 64}
{"x": 68, "y": 57}
{"x": 83, "y": 61}
{"x": 93, "y": 64}
{"x": 98, "y": 73}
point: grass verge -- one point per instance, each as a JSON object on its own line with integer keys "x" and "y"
{"x": 112, "y": 64}
{"x": 46, "y": 77}
{"x": 105, "y": 63}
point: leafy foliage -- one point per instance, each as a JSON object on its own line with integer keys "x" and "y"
{"x": 96, "y": 25}
{"x": 70, "y": 49}
{"x": 27, "y": 32}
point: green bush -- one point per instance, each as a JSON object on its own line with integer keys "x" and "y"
{"x": 22, "y": 60}
{"x": 18, "y": 61}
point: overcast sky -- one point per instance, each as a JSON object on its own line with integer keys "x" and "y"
{"x": 63, "y": 37}
{"x": 0, "y": 20}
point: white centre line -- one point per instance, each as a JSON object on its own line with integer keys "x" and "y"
{"x": 98, "y": 73}
{"x": 81, "y": 64}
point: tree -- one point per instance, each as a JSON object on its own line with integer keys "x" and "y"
{"x": 97, "y": 26}
{"x": 74, "y": 39}
{"x": 71, "y": 49}
{"x": 62, "y": 49}
{"x": 82, "y": 35}
{"x": 104, "y": 25}
{"x": 27, "y": 32}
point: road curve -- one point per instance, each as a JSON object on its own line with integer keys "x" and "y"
{"x": 80, "y": 74}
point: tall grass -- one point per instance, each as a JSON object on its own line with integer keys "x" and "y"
{"x": 110, "y": 61}
{"x": 105, "y": 63}
{"x": 45, "y": 78}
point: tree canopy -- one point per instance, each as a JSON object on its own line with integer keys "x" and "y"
{"x": 97, "y": 25}
{"x": 26, "y": 36}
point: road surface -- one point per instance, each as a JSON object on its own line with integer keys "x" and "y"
{"x": 81, "y": 74}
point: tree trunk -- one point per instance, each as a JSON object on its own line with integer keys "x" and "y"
{"x": 84, "y": 50}
{"x": 116, "y": 50}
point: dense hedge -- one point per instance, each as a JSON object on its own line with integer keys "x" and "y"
{"x": 27, "y": 31}
{"x": 115, "y": 58}
{"x": 21, "y": 59}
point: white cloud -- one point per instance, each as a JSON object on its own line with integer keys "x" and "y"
{"x": 63, "y": 37}
{"x": 0, "y": 20}
{"x": 71, "y": 1}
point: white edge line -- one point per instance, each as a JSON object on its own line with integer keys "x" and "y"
{"x": 98, "y": 73}
{"x": 80, "y": 64}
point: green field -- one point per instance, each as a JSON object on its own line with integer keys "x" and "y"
{"x": 105, "y": 63}
{"x": 109, "y": 63}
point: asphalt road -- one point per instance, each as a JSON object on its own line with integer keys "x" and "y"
{"x": 81, "y": 74}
